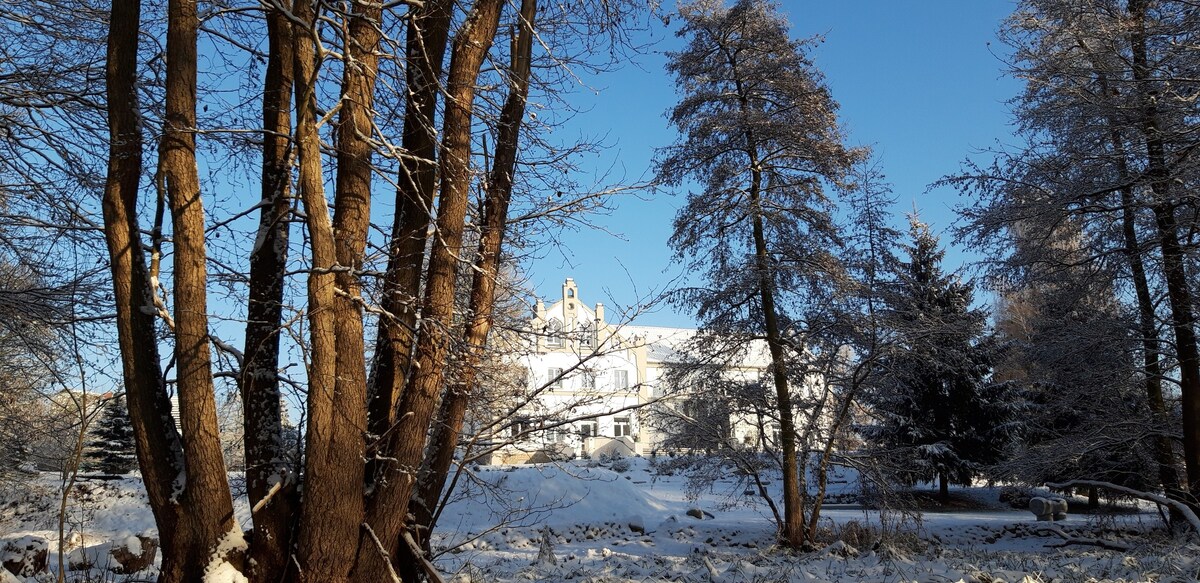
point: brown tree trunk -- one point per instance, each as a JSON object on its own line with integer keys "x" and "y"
{"x": 428, "y": 34}
{"x": 793, "y": 501}
{"x": 352, "y": 214}
{"x": 331, "y": 511}
{"x": 406, "y": 443}
{"x": 207, "y": 507}
{"x": 159, "y": 449}
{"x": 270, "y": 481}
{"x": 793, "y": 532}
{"x": 1174, "y": 269}
{"x": 449, "y": 421}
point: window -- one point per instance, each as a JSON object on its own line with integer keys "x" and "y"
{"x": 622, "y": 427}
{"x": 554, "y": 333}
{"x": 570, "y": 293}
{"x": 588, "y": 380}
{"x": 588, "y": 429}
{"x": 620, "y": 379}
{"x": 554, "y": 378}
{"x": 587, "y": 336}
{"x": 521, "y": 426}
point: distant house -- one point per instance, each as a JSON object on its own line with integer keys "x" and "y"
{"x": 589, "y": 382}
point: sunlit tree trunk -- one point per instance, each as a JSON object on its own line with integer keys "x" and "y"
{"x": 428, "y": 34}
{"x": 331, "y": 511}
{"x": 405, "y": 445}
{"x": 448, "y": 424}
{"x": 270, "y": 482}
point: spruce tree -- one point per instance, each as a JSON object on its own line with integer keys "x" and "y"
{"x": 111, "y": 447}
{"x": 936, "y": 416}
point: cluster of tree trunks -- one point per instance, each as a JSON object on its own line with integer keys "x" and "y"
{"x": 365, "y": 433}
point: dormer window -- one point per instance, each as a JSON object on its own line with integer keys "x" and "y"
{"x": 554, "y": 330}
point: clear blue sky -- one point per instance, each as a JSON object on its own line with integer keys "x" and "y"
{"x": 918, "y": 80}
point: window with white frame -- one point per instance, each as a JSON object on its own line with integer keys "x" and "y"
{"x": 554, "y": 330}
{"x": 554, "y": 377}
{"x": 587, "y": 380}
{"x": 620, "y": 379}
{"x": 622, "y": 427}
{"x": 588, "y": 429}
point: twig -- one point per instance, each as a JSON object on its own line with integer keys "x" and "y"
{"x": 387, "y": 559}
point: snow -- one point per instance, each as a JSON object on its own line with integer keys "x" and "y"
{"x": 218, "y": 569}
{"x": 575, "y": 521}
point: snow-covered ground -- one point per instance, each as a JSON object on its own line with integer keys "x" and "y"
{"x": 582, "y": 521}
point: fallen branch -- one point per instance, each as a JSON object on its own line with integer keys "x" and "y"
{"x": 1070, "y": 540}
{"x": 1183, "y": 509}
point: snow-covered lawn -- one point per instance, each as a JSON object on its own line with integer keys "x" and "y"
{"x": 579, "y": 521}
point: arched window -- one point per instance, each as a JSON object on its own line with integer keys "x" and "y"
{"x": 554, "y": 330}
{"x": 587, "y": 335}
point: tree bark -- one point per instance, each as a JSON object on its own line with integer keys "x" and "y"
{"x": 331, "y": 511}
{"x": 406, "y": 443}
{"x": 428, "y": 34}
{"x": 1174, "y": 269}
{"x": 1164, "y": 454}
{"x": 270, "y": 481}
{"x": 352, "y": 212}
{"x": 448, "y": 426}
{"x": 205, "y": 501}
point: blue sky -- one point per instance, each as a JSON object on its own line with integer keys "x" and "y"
{"x": 920, "y": 81}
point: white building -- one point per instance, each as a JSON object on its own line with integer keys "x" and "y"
{"x": 588, "y": 381}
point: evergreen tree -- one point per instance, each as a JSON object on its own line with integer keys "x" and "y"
{"x": 111, "y": 448}
{"x": 759, "y": 139}
{"x": 936, "y": 417}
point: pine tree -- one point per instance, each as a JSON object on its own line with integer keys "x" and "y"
{"x": 936, "y": 417}
{"x": 111, "y": 448}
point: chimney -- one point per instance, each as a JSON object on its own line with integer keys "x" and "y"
{"x": 599, "y": 313}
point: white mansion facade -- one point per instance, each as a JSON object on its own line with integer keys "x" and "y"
{"x": 590, "y": 382}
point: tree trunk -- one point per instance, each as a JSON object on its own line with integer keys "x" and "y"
{"x": 793, "y": 534}
{"x": 206, "y": 504}
{"x": 793, "y": 501}
{"x": 1164, "y": 455}
{"x": 331, "y": 512}
{"x": 406, "y": 443}
{"x": 943, "y": 488}
{"x": 270, "y": 481}
{"x": 1174, "y": 269}
{"x": 428, "y": 33}
{"x": 159, "y": 449}
{"x": 449, "y": 422}
{"x": 352, "y": 213}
